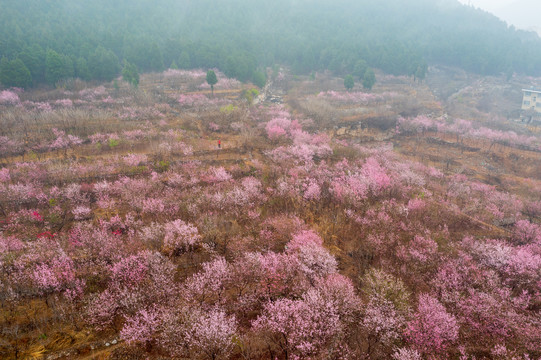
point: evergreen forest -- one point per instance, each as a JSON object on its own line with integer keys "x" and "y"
{"x": 44, "y": 42}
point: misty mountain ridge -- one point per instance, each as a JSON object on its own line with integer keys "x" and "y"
{"x": 398, "y": 37}
{"x": 522, "y": 13}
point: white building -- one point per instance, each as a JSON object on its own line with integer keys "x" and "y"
{"x": 531, "y": 99}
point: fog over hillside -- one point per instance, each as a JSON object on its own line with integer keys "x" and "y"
{"x": 268, "y": 180}
{"x": 523, "y": 14}
{"x": 93, "y": 39}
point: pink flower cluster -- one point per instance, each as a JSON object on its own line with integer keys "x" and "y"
{"x": 92, "y": 94}
{"x": 9, "y": 146}
{"x": 81, "y": 212}
{"x": 432, "y": 328}
{"x": 139, "y": 113}
{"x": 134, "y": 135}
{"x": 187, "y": 74}
{"x": 356, "y": 185}
{"x": 135, "y": 159}
{"x": 38, "y": 106}
{"x": 354, "y": 97}
{"x": 67, "y": 103}
{"x": 464, "y": 128}
{"x": 213, "y": 126}
{"x": 64, "y": 141}
{"x": 102, "y": 138}
{"x": 153, "y": 206}
{"x": 192, "y": 100}
{"x": 217, "y": 175}
{"x": 4, "y": 175}
{"x": 8, "y": 97}
{"x": 180, "y": 236}
{"x": 280, "y": 127}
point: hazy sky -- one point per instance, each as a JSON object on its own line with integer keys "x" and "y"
{"x": 489, "y": 5}
{"x": 524, "y": 14}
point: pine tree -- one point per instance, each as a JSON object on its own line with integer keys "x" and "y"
{"x": 34, "y": 59}
{"x": 369, "y": 79}
{"x": 130, "y": 74}
{"x": 81, "y": 69}
{"x": 156, "y": 58}
{"x": 349, "y": 82}
{"x": 184, "y": 61}
{"x": 211, "y": 80}
{"x": 15, "y": 74}
{"x": 55, "y": 68}
{"x": 103, "y": 64}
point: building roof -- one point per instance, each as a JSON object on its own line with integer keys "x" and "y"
{"x": 532, "y": 90}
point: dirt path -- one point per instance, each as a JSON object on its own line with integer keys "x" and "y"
{"x": 102, "y": 353}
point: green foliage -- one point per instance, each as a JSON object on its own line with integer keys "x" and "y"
{"x": 156, "y": 58}
{"x": 4, "y": 69}
{"x": 184, "y": 61}
{"x": 360, "y": 69}
{"x": 34, "y": 58}
{"x": 369, "y": 79}
{"x": 140, "y": 169}
{"x": 113, "y": 143}
{"x": 211, "y": 79}
{"x": 103, "y": 64}
{"x": 32, "y": 155}
{"x": 345, "y": 37}
{"x": 81, "y": 69}
{"x": 54, "y": 218}
{"x": 420, "y": 72}
{"x": 130, "y": 74}
{"x": 349, "y": 82}
{"x": 57, "y": 67}
{"x": 259, "y": 79}
{"x": 14, "y": 73}
{"x": 162, "y": 166}
{"x": 228, "y": 109}
{"x": 249, "y": 95}
{"x": 240, "y": 66}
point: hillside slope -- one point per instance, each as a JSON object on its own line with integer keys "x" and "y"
{"x": 90, "y": 40}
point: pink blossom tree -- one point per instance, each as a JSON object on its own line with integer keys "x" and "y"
{"x": 299, "y": 328}
{"x": 432, "y": 329}
{"x": 180, "y": 236}
{"x": 210, "y": 334}
{"x": 209, "y": 284}
{"x": 526, "y": 232}
{"x": 136, "y": 283}
{"x": 278, "y": 128}
{"x": 142, "y": 328}
{"x": 406, "y": 354}
{"x": 8, "y": 97}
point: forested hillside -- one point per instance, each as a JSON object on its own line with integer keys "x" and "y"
{"x": 47, "y": 41}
